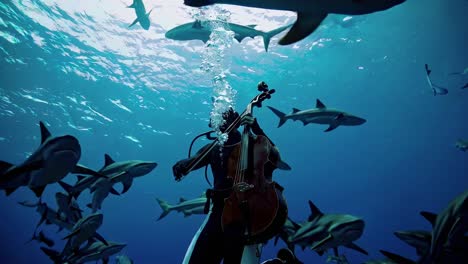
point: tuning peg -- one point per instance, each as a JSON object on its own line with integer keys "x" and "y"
{"x": 268, "y": 96}
{"x": 272, "y": 91}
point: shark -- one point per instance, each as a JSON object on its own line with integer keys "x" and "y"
{"x": 449, "y": 229}
{"x": 94, "y": 252}
{"x": 289, "y": 228}
{"x": 328, "y": 231}
{"x": 393, "y": 258}
{"x": 100, "y": 190}
{"x": 69, "y": 209}
{"x": 142, "y": 16}
{"x": 51, "y": 162}
{"x": 84, "y": 230}
{"x": 310, "y": 13}
{"x": 201, "y": 30}
{"x": 123, "y": 171}
{"x": 464, "y": 86}
{"x": 464, "y": 72}
{"x": 436, "y": 89}
{"x": 49, "y": 216}
{"x": 319, "y": 115}
{"x": 42, "y": 238}
{"x": 420, "y": 240}
{"x": 188, "y": 207}
{"x": 462, "y": 145}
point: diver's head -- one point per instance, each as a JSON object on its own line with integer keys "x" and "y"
{"x": 229, "y": 117}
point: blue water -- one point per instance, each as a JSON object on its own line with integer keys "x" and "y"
{"x": 133, "y": 94}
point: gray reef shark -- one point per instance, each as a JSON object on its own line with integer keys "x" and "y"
{"x": 188, "y": 207}
{"x": 141, "y": 14}
{"x": 51, "y": 162}
{"x": 436, "y": 89}
{"x": 462, "y": 145}
{"x": 69, "y": 209}
{"x": 84, "y": 230}
{"x": 328, "y": 231}
{"x": 420, "y": 240}
{"x": 320, "y": 115}
{"x": 449, "y": 231}
{"x": 123, "y": 171}
{"x": 201, "y": 30}
{"x": 310, "y": 13}
{"x": 464, "y": 72}
{"x": 289, "y": 229}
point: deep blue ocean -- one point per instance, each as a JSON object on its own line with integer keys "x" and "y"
{"x": 133, "y": 94}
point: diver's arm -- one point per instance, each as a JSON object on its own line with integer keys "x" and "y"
{"x": 179, "y": 169}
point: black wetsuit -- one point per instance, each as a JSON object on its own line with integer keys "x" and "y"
{"x": 215, "y": 244}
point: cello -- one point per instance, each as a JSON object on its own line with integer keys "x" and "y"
{"x": 256, "y": 202}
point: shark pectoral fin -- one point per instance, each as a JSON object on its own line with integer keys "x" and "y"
{"x": 252, "y": 26}
{"x": 396, "y": 258}
{"x": 305, "y": 24}
{"x": 239, "y": 38}
{"x": 4, "y": 166}
{"x": 322, "y": 242}
{"x": 114, "y": 191}
{"x": 127, "y": 183}
{"x": 357, "y": 248}
{"x": 282, "y": 165}
{"x": 332, "y": 127}
{"x": 133, "y": 23}
{"x": 38, "y": 190}
{"x": 45, "y": 134}
{"x": 80, "y": 169}
{"x": 100, "y": 238}
{"x": 131, "y": 6}
{"x": 431, "y": 217}
{"x": 75, "y": 232}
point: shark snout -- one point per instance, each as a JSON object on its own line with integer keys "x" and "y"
{"x": 143, "y": 168}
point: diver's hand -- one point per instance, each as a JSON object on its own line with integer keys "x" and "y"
{"x": 247, "y": 120}
{"x": 178, "y": 170}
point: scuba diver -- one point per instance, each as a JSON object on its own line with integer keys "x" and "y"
{"x": 214, "y": 243}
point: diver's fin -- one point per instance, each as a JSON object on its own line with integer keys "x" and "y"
{"x": 305, "y": 24}
{"x": 431, "y": 217}
{"x": 45, "y": 134}
{"x": 134, "y": 22}
{"x": 357, "y": 248}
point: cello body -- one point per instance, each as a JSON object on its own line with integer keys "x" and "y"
{"x": 260, "y": 207}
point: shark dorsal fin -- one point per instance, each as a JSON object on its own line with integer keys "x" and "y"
{"x": 148, "y": 14}
{"x": 45, "y": 134}
{"x": 108, "y": 160}
{"x": 182, "y": 199}
{"x": 319, "y": 104}
{"x": 197, "y": 24}
{"x": 314, "y": 211}
{"x": 252, "y": 26}
{"x": 80, "y": 177}
{"x": 295, "y": 110}
{"x": 431, "y": 217}
{"x": 296, "y": 225}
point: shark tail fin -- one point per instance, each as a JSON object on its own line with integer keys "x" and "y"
{"x": 165, "y": 207}
{"x": 278, "y": 113}
{"x": 268, "y": 35}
